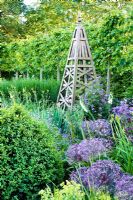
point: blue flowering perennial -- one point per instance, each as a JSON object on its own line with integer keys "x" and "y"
{"x": 124, "y": 188}
{"x": 86, "y": 150}
{"x": 100, "y": 127}
{"x": 102, "y": 174}
{"x": 125, "y": 112}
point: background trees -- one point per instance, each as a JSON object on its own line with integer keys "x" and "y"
{"x": 38, "y": 38}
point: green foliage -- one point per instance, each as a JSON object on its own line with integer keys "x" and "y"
{"x": 123, "y": 149}
{"x": 95, "y": 102}
{"x": 99, "y": 195}
{"x": 29, "y": 156}
{"x": 68, "y": 122}
{"x": 70, "y": 191}
{"x": 30, "y": 90}
{"x": 113, "y": 49}
{"x": 10, "y": 24}
{"x": 46, "y": 41}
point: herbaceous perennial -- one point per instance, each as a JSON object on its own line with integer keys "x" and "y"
{"x": 88, "y": 149}
{"x": 100, "y": 127}
{"x": 124, "y": 188}
{"x": 102, "y": 174}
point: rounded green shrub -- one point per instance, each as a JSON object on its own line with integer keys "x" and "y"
{"x": 29, "y": 159}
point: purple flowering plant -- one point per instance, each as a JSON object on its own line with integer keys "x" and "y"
{"x": 125, "y": 112}
{"x": 99, "y": 127}
{"x": 88, "y": 150}
{"x": 124, "y": 188}
{"x": 96, "y": 100}
{"x": 102, "y": 174}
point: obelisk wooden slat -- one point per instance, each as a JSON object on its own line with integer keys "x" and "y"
{"x": 79, "y": 70}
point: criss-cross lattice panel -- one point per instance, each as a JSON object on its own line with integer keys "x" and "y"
{"x": 79, "y": 70}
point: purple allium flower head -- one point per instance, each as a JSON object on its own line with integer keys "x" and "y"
{"x": 124, "y": 188}
{"x": 88, "y": 149}
{"x": 130, "y": 138}
{"x": 72, "y": 154}
{"x": 101, "y": 174}
{"x": 123, "y": 110}
{"x": 85, "y": 126}
{"x": 79, "y": 174}
{"x": 100, "y": 127}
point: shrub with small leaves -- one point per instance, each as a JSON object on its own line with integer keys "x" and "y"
{"x": 29, "y": 157}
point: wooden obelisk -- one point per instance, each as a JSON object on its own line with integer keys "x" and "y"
{"x": 79, "y": 70}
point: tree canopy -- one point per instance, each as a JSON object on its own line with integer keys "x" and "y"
{"x": 39, "y": 38}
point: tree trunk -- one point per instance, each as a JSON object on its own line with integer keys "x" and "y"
{"x": 27, "y": 75}
{"x": 41, "y": 74}
{"x": 16, "y": 75}
{"x": 108, "y": 82}
{"x": 83, "y": 2}
{"x": 58, "y": 73}
{"x": 23, "y": 75}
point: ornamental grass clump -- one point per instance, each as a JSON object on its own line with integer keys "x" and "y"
{"x": 123, "y": 148}
{"x": 88, "y": 150}
{"x": 124, "y": 188}
{"x": 102, "y": 174}
{"x": 100, "y": 128}
{"x": 29, "y": 156}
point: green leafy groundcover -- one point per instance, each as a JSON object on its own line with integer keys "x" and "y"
{"x": 28, "y": 156}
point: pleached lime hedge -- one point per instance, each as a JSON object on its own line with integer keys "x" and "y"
{"x": 29, "y": 158}
{"x": 32, "y": 90}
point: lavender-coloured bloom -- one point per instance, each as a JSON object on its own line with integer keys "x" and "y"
{"x": 72, "y": 153}
{"x": 79, "y": 174}
{"x": 124, "y": 188}
{"x": 130, "y": 138}
{"x": 85, "y": 126}
{"x": 123, "y": 110}
{"x": 93, "y": 147}
{"x": 100, "y": 127}
{"x": 101, "y": 174}
{"x": 88, "y": 149}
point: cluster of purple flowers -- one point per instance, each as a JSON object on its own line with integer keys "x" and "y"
{"x": 88, "y": 149}
{"x": 124, "y": 188}
{"x": 102, "y": 174}
{"x": 96, "y": 99}
{"x": 124, "y": 111}
{"x": 100, "y": 127}
{"x": 107, "y": 175}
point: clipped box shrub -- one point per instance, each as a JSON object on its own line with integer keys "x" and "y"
{"x": 29, "y": 158}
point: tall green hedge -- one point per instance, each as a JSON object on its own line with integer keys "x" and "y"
{"x": 110, "y": 38}
{"x": 32, "y": 90}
